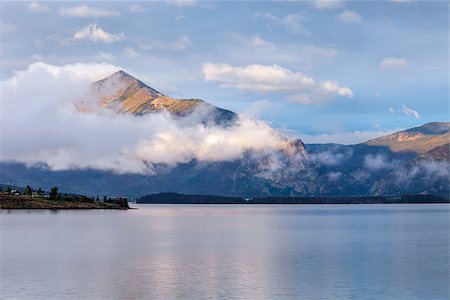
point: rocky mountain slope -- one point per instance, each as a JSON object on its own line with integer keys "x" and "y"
{"x": 421, "y": 140}
{"x": 123, "y": 94}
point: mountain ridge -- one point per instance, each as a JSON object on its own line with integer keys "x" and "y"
{"x": 420, "y": 139}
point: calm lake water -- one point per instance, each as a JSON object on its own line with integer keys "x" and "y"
{"x": 228, "y": 252}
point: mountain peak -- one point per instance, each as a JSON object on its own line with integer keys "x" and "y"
{"x": 124, "y": 93}
{"x": 123, "y": 74}
{"x": 123, "y": 78}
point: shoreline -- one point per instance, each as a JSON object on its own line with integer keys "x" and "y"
{"x": 17, "y": 202}
{"x": 174, "y": 198}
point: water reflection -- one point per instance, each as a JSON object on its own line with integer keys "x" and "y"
{"x": 251, "y": 252}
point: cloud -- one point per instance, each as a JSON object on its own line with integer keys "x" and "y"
{"x": 346, "y": 138}
{"x": 94, "y": 33}
{"x": 37, "y": 7}
{"x": 426, "y": 172}
{"x": 328, "y": 4}
{"x": 410, "y": 112}
{"x": 348, "y": 16}
{"x": 274, "y": 79}
{"x": 291, "y": 22}
{"x": 377, "y": 162}
{"x": 84, "y": 11}
{"x": 257, "y": 108}
{"x": 330, "y": 158}
{"x": 180, "y": 44}
{"x": 334, "y": 176}
{"x": 393, "y": 63}
{"x": 50, "y": 130}
{"x": 130, "y": 52}
{"x": 406, "y": 111}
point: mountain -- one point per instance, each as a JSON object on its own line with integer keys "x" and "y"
{"x": 413, "y": 161}
{"x": 324, "y": 170}
{"x": 124, "y": 94}
{"x": 421, "y": 140}
{"x": 440, "y": 153}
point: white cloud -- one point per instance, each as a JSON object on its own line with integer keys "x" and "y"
{"x": 328, "y": 4}
{"x": 84, "y": 11}
{"x": 291, "y": 22}
{"x": 406, "y": 111}
{"x": 180, "y": 44}
{"x": 330, "y": 157}
{"x": 349, "y": 16}
{"x": 346, "y": 138}
{"x": 274, "y": 79}
{"x": 130, "y": 52}
{"x": 393, "y": 63}
{"x": 334, "y": 176}
{"x": 410, "y": 112}
{"x": 60, "y": 136}
{"x": 37, "y": 7}
{"x": 333, "y": 87}
{"x": 257, "y": 108}
{"x": 377, "y": 162}
{"x": 94, "y": 33}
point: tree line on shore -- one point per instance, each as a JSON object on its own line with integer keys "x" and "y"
{"x": 54, "y": 194}
{"x": 174, "y": 198}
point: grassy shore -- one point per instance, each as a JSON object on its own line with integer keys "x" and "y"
{"x": 27, "y": 202}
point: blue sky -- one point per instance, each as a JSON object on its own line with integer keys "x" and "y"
{"x": 337, "y": 70}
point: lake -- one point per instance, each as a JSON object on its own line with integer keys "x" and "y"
{"x": 227, "y": 252}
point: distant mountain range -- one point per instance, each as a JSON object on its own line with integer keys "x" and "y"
{"x": 412, "y": 161}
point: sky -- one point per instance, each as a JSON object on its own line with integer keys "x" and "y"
{"x": 322, "y": 71}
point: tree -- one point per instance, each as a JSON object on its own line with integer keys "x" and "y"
{"x": 53, "y": 192}
{"x": 28, "y": 190}
{"x": 9, "y": 189}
